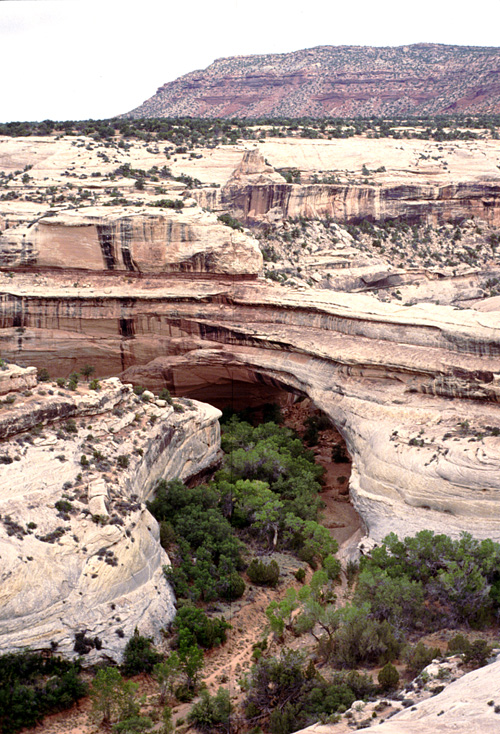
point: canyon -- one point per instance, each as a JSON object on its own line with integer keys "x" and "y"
{"x": 243, "y": 286}
{"x": 174, "y": 298}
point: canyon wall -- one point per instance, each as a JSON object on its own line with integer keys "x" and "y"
{"x": 78, "y": 529}
{"x": 145, "y": 242}
{"x": 413, "y": 390}
{"x": 422, "y": 204}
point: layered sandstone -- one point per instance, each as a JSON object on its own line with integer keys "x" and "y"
{"x": 343, "y": 81}
{"x": 399, "y": 183}
{"x": 143, "y": 242}
{"x": 414, "y": 391}
{"x": 80, "y": 552}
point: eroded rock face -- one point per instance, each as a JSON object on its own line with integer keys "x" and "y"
{"x": 255, "y": 192}
{"x": 15, "y": 379}
{"x": 145, "y": 242}
{"x": 413, "y": 390}
{"x": 345, "y": 203}
{"x": 80, "y": 551}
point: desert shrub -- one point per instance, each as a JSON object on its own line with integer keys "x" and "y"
{"x": 455, "y": 576}
{"x": 298, "y": 693}
{"x": 167, "y": 534}
{"x": 43, "y": 375}
{"x": 339, "y": 454}
{"x": 262, "y": 573}
{"x": 230, "y": 221}
{"x": 211, "y": 713}
{"x": 478, "y": 653}
{"x": 73, "y": 380}
{"x": 332, "y": 567}
{"x": 83, "y": 644}
{"x": 419, "y": 657}
{"x": 300, "y": 575}
{"x": 133, "y": 725}
{"x": 63, "y": 506}
{"x": 139, "y": 655}
{"x": 165, "y": 395}
{"x": 475, "y": 653}
{"x": 203, "y": 531}
{"x": 388, "y": 677}
{"x": 123, "y": 461}
{"x": 203, "y": 630}
{"x": 396, "y": 599}
{"x": 231, "y": 587}
{"x": 113, "y": 698}
{"x": 361, "y": 639}
{"x": 32, "y": 686}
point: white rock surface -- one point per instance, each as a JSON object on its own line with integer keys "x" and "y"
{"x": 93, "y": 565}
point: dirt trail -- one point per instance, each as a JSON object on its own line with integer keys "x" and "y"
{"x": 226, "y": 665}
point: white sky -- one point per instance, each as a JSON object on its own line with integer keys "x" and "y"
{"x": 74, "y": 59}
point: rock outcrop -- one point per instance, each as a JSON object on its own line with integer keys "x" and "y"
{"x": 342, "y": 81}
{"x": 145, "y": 242}
{"x": 414, "y": 204}
{"x": 81, "y": 558}
{"x": 257, "y": 193}
{"x": 414, "y": 391}
{"x": 469, "y": 704}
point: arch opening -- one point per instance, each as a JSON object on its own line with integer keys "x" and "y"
{"x": 254, "y": 393}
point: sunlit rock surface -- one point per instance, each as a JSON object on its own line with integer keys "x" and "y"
{"x": 80, "y": 552}
{"x": 414, "y": 390}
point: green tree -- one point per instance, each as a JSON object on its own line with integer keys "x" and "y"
{"x": 191, "y": 660}
{"x": 87, "y": 370}
{"x": 139, "y": 655}
{"x": 388, "y": 677}
{"x": 113, "y": 698}
{"x": 280, "y": 613}
{"x": 165, "y": 674}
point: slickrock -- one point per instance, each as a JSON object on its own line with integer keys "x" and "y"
{"x": 14, "y": 378}
{"x": 81, "y": 558}
{"x": 469, "y": 704}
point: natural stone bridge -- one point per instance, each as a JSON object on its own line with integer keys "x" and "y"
{"x": 413, "y": 390}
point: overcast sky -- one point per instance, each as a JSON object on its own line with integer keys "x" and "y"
{"x": 68, "y": 59}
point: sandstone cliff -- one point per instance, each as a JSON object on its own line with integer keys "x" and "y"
{"x": 99, "y": 239}
{"x": 413, "y": 390}
{"x": 78, "y": 530}
{"x": 343, "y": 81}
{"x": 256, "y": 193}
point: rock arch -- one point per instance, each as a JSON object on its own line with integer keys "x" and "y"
{"x": 413, "y": 390}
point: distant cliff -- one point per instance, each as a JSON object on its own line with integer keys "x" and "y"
{"x": 348, "y": 81}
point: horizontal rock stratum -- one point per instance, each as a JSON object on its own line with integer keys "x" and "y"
{"x": 344, "y": 81}
{"x": 145, "y": 242}
{"x": 413, "y": 390}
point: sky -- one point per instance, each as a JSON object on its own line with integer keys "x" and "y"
{"x": 73, "y": 60}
